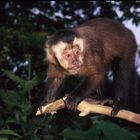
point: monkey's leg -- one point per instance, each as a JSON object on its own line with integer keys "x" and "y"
{"x": 123, "y": 71}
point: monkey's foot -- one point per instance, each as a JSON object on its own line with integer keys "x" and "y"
{"x": 106, "y": 102}
{"x": 71, "y": 102}
{"x": 114, "y": 103}
{"x": 115, "y": 107}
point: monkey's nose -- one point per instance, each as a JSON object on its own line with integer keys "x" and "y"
{"x": 76, "y": 62}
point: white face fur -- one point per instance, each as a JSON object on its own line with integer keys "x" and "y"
{"x": 58, "y": 50}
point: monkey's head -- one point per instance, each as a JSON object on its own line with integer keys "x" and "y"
{"x": 65, "y": 49}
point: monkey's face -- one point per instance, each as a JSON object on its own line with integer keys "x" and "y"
{"x": 69, "y": 56}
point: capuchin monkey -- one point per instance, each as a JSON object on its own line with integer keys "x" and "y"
{"x": 89, "y": 50}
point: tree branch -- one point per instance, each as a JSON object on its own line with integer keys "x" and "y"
{"x": 87, "y": 107}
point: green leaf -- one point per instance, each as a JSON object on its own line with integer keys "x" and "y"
{"x": 129, "y": 136}
{"x": 15, "y": 78}
{"x": 39, "y": 78}
{"x": 8, "y": 132}
{"x": 111, "y": 131}
{"x": 26, "y": 85}
{"x": 4, "y": 139}
{"x": 73, "y": 134}
{"x": 35, "y": 81}
{"x": 11, "y": 98}
{"x": 92, "y": 133}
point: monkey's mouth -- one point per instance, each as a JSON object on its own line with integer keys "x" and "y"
{"x": 74, "y": 69}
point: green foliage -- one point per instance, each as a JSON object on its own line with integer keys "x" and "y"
{"x": 74, "y": 134}
{"x": 17, "y": 108}
{"x": 99, "y": 130}
{"x": 9, "y": 132}
{"x": 26, "y": 85}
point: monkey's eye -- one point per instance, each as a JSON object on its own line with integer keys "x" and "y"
{"x": 77, "y": 52}
{"x": 68, "y": 55}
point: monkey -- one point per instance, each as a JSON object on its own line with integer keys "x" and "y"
{"x": 89, "y": 50}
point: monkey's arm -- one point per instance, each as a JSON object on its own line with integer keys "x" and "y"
{"x": 52, "y": 86}
{"x": 53, "y": 82}
{"x": 85, "y": 88}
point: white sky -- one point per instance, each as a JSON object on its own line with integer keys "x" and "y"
{"x": 134, "y": 29}
{"x": 130, "y": 25}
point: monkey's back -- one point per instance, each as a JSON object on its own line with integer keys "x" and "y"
{"x": 113, "y": 37}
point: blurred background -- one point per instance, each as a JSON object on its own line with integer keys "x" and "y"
{"x": 24, "y": 27}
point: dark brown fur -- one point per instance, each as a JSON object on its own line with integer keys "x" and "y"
{"x": 106, "y": 44}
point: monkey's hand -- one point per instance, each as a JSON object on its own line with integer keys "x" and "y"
{"x": 72, "y": 102}
{"x": 116, "y": 106}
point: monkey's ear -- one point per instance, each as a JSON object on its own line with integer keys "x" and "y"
{"x": 50, "y": 58}
{"x": 46, "y": 56}
{"x": 79, "y": 42}
{"x": 46, "y": 44}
